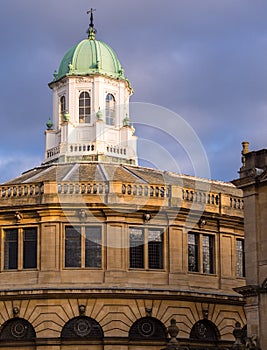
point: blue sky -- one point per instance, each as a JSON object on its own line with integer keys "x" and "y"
{"x": 205, "y": 60}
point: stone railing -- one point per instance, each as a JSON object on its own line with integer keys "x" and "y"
{"x": 146, "y": 190}
{"x": 114, "y": 150}
{"x": 21, "y": 190}
{"x": 52, "y": 152}
{"x": 200, "y": 196}
{"x": 81, "y": 148}
{"x": 236, "y": 203}
{"x": 83, "y": 188}
{"x": 175, "y": 195}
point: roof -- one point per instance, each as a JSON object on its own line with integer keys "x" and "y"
{"x": 109, "y": 172}
{"x": 90, "y": 56}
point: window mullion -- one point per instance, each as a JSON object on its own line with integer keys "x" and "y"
{"x": 82, "y": 247}
{"x": 200, "y": 254}
{"x": 2, "y": 250}
{"x": 146, "y": 248}
{"x": 20, "y": 249}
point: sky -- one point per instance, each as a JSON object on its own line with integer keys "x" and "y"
{"x": 203, "y": 60}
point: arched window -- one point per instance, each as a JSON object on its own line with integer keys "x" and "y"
{"x": 147, "y": 328}
{"x": 84, "y": 107}
{"x": 17, "y": 329}
{"x": 110, "y": 109}
{"x": 82, "y": 327}
{"x": 62, "y": 107}
{"x": 205, "y": 330}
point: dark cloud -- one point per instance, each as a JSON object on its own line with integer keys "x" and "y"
{"x": 205, "y": 60}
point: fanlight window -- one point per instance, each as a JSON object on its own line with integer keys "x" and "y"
{"x": 84, "y": 107}
{"x": 82, "y": 327}
{"x": 17, "y": 329}
{"x": 147, "y": 328}
{"x": 110, "y": 109}
{"x": 205, "y": 330}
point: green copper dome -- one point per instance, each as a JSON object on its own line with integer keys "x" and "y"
{"x": 88, "y": 57}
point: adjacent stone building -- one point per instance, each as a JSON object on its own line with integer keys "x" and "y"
{"x": 99, "y": 253}
{"x": 253, "y": 182}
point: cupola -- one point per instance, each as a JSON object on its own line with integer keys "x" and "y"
{"x": 90, "y": 106}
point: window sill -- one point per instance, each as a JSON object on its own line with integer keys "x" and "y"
{"x": 202, "y": 273}
{"x": 83, "y": 268}
{"x": 146, "y": 270}
{"x": 21, "y": 270}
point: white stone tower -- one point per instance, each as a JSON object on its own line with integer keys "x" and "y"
{"x": 90, "y": 107}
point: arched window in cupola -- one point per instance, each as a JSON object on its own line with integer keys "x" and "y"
{"x": 84, "y": 107}
{"x": 110, "y": 109}
{"x": 62, "y": 107}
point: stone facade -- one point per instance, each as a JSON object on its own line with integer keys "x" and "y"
{"x": 253, "y": 181}
{"x": 126, "y": 300}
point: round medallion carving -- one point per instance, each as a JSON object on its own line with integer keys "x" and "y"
{"x": 82, "y": 327}
{"x": 18, "y": 329}
{"x": 146, "y": 328}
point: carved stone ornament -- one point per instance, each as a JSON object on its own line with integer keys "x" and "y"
{"x": 82, "y": 309}
{"x": 82, "y": 214}
{"x": 15, "y": 311}
{"x": 18, "y": 216}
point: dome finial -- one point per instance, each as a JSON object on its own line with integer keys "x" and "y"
{"x": 91, "y": 30}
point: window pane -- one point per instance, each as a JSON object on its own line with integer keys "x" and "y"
{"x": 155, "y": 249}
{"x": 93, "y": 246}
{"x": 72, "y": 247}
{"x": 240, "y": 258}
{"x": 110, "y": 109}
{"x": 208, "y": 253}
{"x": 62, "y": 104}
{"x": 84, "y": 108}
{"x": 192, "y": 252}
{"x": 11, "y": 249}
{"x": 29, "y": 248}
{"x": 136, "y": 248}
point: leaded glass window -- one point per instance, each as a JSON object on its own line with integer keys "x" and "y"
{"x": 17, "y": 329}
{"x": 146, "y": 248}
{"x": 30, "y": 248}
{"x": 193, "y": 252}
{"x": 82, "y": 327}
{"x": 93, "y": 246}
{"x": 83, "y": 246}
{"x": 204, "y": 330}
{"x": 110, "y": 109}
{"x": 208, "y": 253}
{"x": 147, "y": 328}
{"x": 84, "y": 107}
{"x": 240, "y": 258}
{"x": 20, "y": 248}
{"x": 155, "y": 249}
{"x": 11, "y": 249}
{"x": 136, "y": 248}
{"x": 62, "y": 107}
{"x": 72, "y": 247}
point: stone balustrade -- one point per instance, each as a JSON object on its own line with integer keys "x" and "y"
{"x": 145, "y": 190}
{"x": 125, "y": 190}
{"x": 52, "y": 152}
{"x": 236, "y": 203}
{"x": 82, "y": 148}
{"x": 200, "y": 197}
{"x": 21, "y": 190}
{"x": 83, "y": 188}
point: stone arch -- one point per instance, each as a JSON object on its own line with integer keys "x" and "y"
{"x": 17, "y": 329}
{"x": 205, "y": 330}
{"x": 82, "y": 327}
{"x": 147, "y": 328}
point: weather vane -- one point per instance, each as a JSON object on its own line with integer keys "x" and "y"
{"x": 91, "y": 30}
